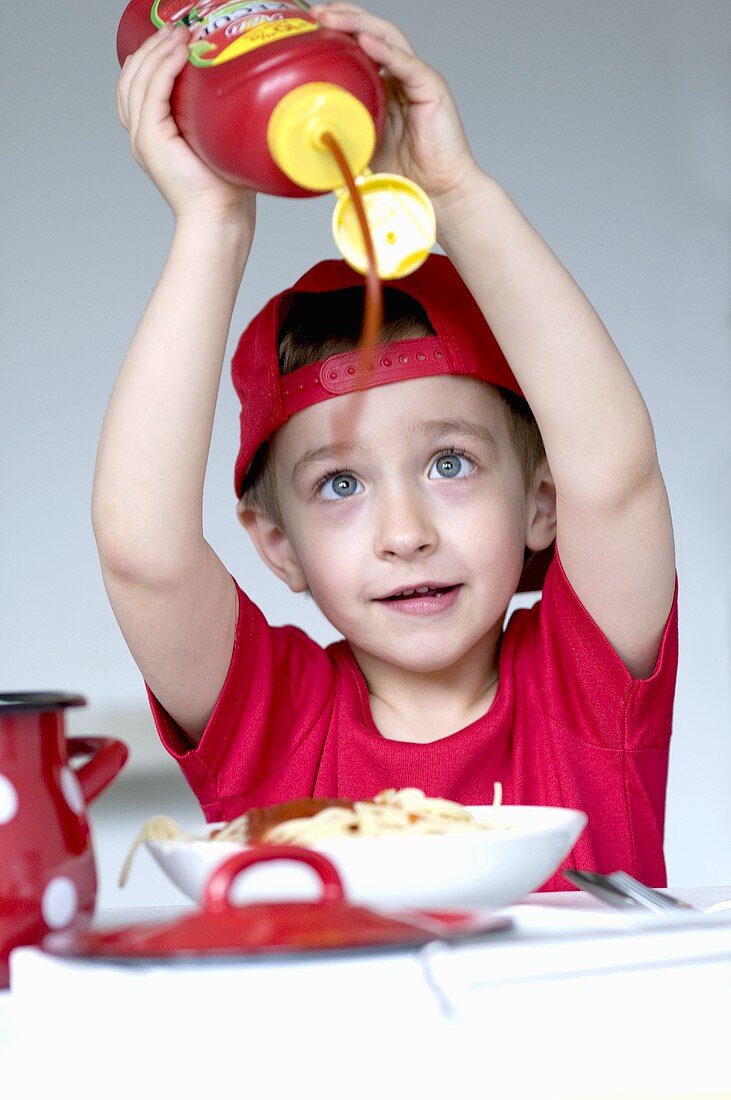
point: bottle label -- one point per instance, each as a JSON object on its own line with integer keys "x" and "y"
{"x": 221, "y": 32}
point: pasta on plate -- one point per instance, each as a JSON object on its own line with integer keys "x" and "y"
{"x": 308, "y": 821}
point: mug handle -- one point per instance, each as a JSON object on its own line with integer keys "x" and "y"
{"x": 108, "y": 758}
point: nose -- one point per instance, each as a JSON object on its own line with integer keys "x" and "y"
{"x": 404, "y": 526}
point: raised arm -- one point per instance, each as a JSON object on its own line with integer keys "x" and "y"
{"x": 613, "y": 518}
{"x": 173, "y": 598}
{"x": 614, "y": 525}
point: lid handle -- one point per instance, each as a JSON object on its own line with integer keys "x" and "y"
{"x": 216, "y": 897}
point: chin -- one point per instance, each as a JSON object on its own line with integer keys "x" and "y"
{"x": 416, "y": 659}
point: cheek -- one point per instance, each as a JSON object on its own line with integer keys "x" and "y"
{"x": 334, "y": 586}
{"x": 496, "y": 510}
{"x": 488, "y": 533}
{"x": 329, "y": 533}
{"x": 329, "y": 553}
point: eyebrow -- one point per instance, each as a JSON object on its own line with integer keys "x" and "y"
{"x": 459, "y": 426}
{"x": 316, "y": 454}
{"x": 414, "y": 429}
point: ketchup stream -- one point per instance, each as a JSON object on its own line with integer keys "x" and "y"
{"x": 344, "y": 420}
{"x": 373, "y": 316}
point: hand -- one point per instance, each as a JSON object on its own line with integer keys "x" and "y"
{"x": 423, "y": 137}
{"x": 143, "y": 103}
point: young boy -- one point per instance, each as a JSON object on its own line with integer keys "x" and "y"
{"x": 408, "y": 509}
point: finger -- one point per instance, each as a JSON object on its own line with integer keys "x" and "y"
{"x": 388, "y": 46}
{"x": 394, "y": 92}
{"x": 150, "y": 87}
{"x": 139, "y": 67}
{"x": 131, "y": 67}
{"x": 354, "y": 20}
{"x": 417, "y": 82}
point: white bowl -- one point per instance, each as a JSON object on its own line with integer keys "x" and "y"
{"x": 490, "y": 868}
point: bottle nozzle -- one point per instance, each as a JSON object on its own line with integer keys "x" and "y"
{"x": 299, "y": 123}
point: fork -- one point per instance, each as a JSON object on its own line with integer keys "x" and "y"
{"x": 622, "y": 891}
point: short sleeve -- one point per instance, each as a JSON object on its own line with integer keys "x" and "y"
{"x": 278, "y": 686}
{"x": 587, "y": 688}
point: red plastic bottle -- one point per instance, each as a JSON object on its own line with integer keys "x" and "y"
{"x": 263, "y": 82}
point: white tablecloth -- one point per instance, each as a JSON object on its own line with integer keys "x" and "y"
{"x": 577, "y": 1001}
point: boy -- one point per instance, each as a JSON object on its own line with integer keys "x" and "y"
{"x": 408, "y": 509}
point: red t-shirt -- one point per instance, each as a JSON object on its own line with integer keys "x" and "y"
{"x": 569, "y": 726}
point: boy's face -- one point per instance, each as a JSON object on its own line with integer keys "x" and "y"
{"x": 404, "y": 487}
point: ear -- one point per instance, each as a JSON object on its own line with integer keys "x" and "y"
{"x": 272, "y": 546}
{"x": 541, "y": 518}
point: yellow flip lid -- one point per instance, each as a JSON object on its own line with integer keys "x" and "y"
{"x": 401, "y": 220}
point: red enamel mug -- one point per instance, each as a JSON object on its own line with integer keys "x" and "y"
{"x": 47, "y": 869}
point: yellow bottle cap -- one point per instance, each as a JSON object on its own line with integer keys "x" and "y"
{"x": 296, "y": 126}
{"x": 401, "y": 220}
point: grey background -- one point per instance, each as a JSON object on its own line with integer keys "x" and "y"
{"x": 608, "y": 122}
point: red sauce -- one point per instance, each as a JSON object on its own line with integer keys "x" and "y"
{"x": 260, "y": 820}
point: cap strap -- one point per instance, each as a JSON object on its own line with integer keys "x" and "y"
{"x": 356, "y": 370}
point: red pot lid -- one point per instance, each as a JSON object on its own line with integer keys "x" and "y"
{"x": 220, "y": 928}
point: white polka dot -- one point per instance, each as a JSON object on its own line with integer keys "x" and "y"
{"x": 59, "y": 902}
{"x": 72, "y": 792}
{"x": 8, "y": 800}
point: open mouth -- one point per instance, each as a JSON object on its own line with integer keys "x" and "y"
{"x": 420, "y": 593}
{"x": 424, "y": 601}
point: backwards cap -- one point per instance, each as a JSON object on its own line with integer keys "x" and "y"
{"x": 463, "y": 345}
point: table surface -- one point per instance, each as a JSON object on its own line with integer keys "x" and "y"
{"x": 572, "y": 980}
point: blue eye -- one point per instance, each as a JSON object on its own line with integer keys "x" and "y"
{"x": 451, "y": 465}
{"x": 339, "y": 486}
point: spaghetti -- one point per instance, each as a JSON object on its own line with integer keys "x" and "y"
{"x": 308, "y": 821}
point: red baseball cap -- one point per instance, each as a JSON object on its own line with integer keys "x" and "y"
{"x": 463, "y": 345}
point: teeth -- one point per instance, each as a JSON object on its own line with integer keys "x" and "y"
{"x": 425, "y": 590}
{"x": 405, "y": 592}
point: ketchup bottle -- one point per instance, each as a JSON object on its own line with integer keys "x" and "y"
{"x": 263, "y": 83}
